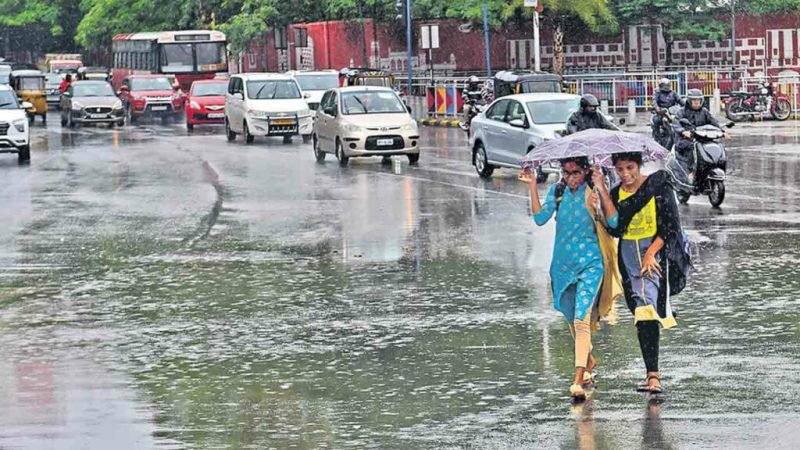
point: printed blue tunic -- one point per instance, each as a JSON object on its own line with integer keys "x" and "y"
{"x": 576, "y": 271}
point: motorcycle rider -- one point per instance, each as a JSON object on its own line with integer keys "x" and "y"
{"x": 472, "y": 95}
{"x": 587, "y": 116}
{"x": 697, "y": 115}
{"x": 665, "y": 97}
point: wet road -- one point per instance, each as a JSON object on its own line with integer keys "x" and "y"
{"x": 161, "y": 290}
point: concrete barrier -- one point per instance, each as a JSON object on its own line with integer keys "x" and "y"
{"x": 631, "y": 121}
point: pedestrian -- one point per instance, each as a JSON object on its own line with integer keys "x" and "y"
{"x": 584, "y": 278}
{"x": 653, "y": 257}
{"x": 64, "y": 85}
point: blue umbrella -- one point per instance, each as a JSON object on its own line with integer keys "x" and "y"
{"x": 597, "y": 145}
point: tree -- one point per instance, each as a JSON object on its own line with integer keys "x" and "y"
{"x": 38, "y": 25}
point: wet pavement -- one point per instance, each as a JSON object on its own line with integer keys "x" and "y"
{"x": 166, "y": 290}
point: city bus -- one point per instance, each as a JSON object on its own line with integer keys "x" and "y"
{"x": 185, "y": 55}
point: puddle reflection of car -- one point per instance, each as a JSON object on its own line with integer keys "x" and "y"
{"x": 364, "y": 121}
{"x": 91, "y": 102}
{"x": 513, "y": 125}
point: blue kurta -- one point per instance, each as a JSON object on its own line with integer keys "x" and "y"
{"x": 577, "y": 268}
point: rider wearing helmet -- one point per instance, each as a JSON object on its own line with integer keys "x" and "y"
{"x": 473, "y": 94}
{"x": 697, "y": 115}
{"x": 587, "y": 116}
{"x": 665, "y": 97}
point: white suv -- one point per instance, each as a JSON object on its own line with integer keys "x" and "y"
{"x": 15, "y": 136}
{"x": 266, "y": 104}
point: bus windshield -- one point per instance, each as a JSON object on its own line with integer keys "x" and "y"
{"x": 193, "y": 57}
{"x": 177, "y": 58}
{"x": 210, "y": 56}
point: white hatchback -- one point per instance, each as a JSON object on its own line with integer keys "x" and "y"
{"x": 266, "y": 104}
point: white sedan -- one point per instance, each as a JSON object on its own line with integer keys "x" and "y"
{"x": 513, "y": 125}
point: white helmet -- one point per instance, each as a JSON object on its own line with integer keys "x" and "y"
{"x": 665, "y": 84}
{"x": 474, "y": 79}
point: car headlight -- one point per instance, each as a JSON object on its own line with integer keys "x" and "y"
{"x": 410, "y": 126}
{"x": 19, "y": 124}
{"x": 257, "y": 113}
{"x": 77, "y": 105}
{"x": 117, "y": 105}
{"x": 351, "y": 127}
{"x": 194, "y": 104}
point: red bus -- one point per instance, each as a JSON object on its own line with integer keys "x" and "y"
{"x": 188, "y": 55}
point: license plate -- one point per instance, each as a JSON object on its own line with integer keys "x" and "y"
{"x": 159, "y": 108}
{"x": 97, "y": 116}
{"x": 283, "y": 122}
{"x": 385, "y": 142}
{"x": 216, "y": 115}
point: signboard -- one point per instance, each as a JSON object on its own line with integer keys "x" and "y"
{"x": 535, "y": 4}
{"x": 430, "y": 36}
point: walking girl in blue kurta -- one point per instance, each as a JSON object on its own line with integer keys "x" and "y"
{"x": 578, "y": 268}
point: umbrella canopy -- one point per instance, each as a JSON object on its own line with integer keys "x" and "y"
{"x": 597, "y": 145}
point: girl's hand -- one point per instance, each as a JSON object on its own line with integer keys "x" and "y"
{"x": 526, "y": 177}
{"x": 650, "y": 266}
{"x": 598, "y": 179}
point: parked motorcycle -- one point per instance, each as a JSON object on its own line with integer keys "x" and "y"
{"x": 742, "y": 105}
{"x": 710, "y": 165}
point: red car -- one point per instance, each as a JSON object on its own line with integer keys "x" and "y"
{"x": 150, "y": 95}
{"x": 206, "y": 103}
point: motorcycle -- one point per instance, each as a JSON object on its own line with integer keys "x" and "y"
{"x": 710, "y": 165}
{"x": 741, "y": 105}
{"x": 472, "y": 107}
{"x": 661, "y": 124}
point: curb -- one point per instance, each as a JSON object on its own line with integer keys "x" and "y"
{"x": 431, "y": 122}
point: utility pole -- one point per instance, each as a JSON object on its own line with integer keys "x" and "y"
{"x": 537, "y": 6}
{"x": 486, "y": 40}
{"x": 733, "y": 32}
{"x": 404, "y": 12}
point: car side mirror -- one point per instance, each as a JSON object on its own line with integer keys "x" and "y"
{"x": 306, "y": 95}
{"x": 408, "y": 108}
{"x": 26, "y": 105}
{"x": 730, "y": 124}
{"x": 622, "y": 121}
{"x": 518, "y": 123}
{"x": 238, "y": 96}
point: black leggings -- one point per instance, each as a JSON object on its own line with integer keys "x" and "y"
{"x": 649, "y": 332}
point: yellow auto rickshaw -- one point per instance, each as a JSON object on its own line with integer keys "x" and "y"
{"x": 365, "y": 77}
{"x": 30, "y": 87}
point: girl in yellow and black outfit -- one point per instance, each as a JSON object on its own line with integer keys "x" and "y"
{"x": 653, "y": 259}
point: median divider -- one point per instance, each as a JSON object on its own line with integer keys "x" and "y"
{"x": 439, "y": 122}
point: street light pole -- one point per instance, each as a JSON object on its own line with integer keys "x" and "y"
{"x": 408, "y": 44}
{"x": 733, "y": 33}
{"x": 486, "y": 40}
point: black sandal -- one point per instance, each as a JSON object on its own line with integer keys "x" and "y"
{"x": 645, "y": 386}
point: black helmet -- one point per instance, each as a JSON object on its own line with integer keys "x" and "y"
{"x": 694, "y": 94}
{"x": 588, "y": 100}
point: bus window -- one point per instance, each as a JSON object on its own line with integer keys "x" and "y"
{"x": 177, "y": 58}
{"x": 210, "y": 56}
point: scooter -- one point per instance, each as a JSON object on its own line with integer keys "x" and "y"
{"x": 710, "y": 161}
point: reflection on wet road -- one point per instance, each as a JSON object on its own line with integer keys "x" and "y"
{"x": 159, "y": 289}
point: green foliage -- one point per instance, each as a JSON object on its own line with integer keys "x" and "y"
{"x": 684, "y": 18}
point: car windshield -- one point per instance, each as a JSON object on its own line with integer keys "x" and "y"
{"x": 30, "y": 83}
{"x": 53, "y": 79}
{"x": 552, "y": 111}
{"x": 324, "y": 82}
{"x": 208, "y": 89}
{"x": 151, "y": 84}
{"x": 8, "y": 100}
{"x": 272, "y": 89}
{"x": 92, "y": 90}
{"x": 528, "y": 87}
{"x": 371, "y": 102}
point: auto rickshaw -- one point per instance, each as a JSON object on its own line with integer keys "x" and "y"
{"x": 365, "y": 77}
{"x": 94, "y": 73}
{"x": 30, "y": 87}
{"x": 519, "y": 82}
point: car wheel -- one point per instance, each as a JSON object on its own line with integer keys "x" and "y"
{"x": 306, "y": 138}
{"x": 248, "y": 138}
{"x": 24, "y": 154}
{"x": 319, "y": 155}
{"x": 287, "y": 139}
{"x": 482, "y": 165}
{"x": 343, "y": 159}
{"x": 30, "y": 118}
{"x": 121, "y": 123}
{"x": 189, "y": 126}
{"x": 413, "y": 158}
{"x": 230, "y": 134}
